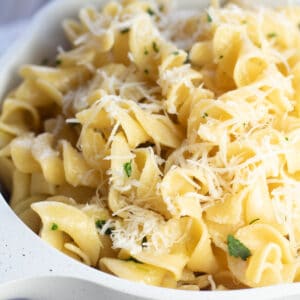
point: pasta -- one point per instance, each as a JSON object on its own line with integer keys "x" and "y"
{"x": 163, "y": 147}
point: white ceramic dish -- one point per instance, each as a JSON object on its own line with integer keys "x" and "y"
{"x": 30, "y": 269}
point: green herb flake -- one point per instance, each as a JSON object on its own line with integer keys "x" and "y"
{"x": 146, "y": 71}
{"x": 54, "y": 227}
{"x": 125, "y": 30}
{"x": 109, "y": 230}
{"x": 254, "y": 221}
{"x": 236, "y": 248}
{"x": 187, "y": 60}
{"x": 144, "y": 242}
{"x": 209, "y": 18}
{"x": 150, "y": 11}
{"x": 221, "y": 56}
{"x": 205, "y": 115}
{"x": 244, "y": 22}
{"x": 272, "y": 35}
{"x": 100, "y": 223}
{"x": 130, "y": 258}
{"x": 128, "y": 168}
{"x": 161, "y": 8}
{"x": 45, "y": 62}
{"x": 146, "y": 52}
{"x": 58, "y": 62}
{"x": 155, "y": 47}
{"x": 175, "y": 53}
{"x": 286, "y": 138}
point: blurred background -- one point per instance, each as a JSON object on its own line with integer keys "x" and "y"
{"x": 14, "y": 17}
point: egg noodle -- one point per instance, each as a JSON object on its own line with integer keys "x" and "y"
{"x": 164, "y": 147}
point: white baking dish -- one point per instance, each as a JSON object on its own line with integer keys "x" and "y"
{"x": 23, "y": 255}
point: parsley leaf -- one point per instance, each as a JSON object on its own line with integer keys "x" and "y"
{"x": 150, "y": 12}
{"x": 272, "y": 35}
{"x": 236, "y": 248}
{"x": 109, "y": 230}
{"x": 58, "y": 62}
{"x": 209, "y": 18}
{"x": 54, "y": 227}
{"x": 144, "y": 242}
{"x": 101, "y": 223}
{"x": 125, "y": 30}
{"x": 130, "y": 258}
{"x": 253, "y": 221}
{"x": 187, "y": 60}
{"x": 45, "y": 62}
{"x": 128, "y": 168}
{"x": 155, "y": 47}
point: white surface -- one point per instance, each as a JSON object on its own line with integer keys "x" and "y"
{"x": 12, "y": 10}
{"x": 14, "y": 18}
{"x": 24, "y": 255}
{"x": 9, "y": 32}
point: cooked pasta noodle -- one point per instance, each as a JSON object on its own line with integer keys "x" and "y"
{"x": 163, "y": 147}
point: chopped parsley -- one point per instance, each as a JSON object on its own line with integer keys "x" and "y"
{"x": 54, "y": 227}
{"x": 253, "y": 221}
{"x": 161, "y": 8}
{"x": 100, "y": 223}
{"x": 272, "y": 35}
{"x": 130, "y": 258}
{"x": 45, "y": 62}
{"x": 109, "y": 230}
{"x": 146, "y": 71}
{"x": 125, "y": 30}
{"x": 175, "y": 52}
{"x": 286, "y": 138}
{"x": 58, "y": 62}
{"x": 221, "y": 56}
{"x": 155, "y": 47}
{"x": 150, "y": 11}
{"x": 236, "y": 248}
{"x": 128, "y": 168}
{"x": 144, "y": 242}
{"x": 187, "y": 60}
{"x": 205, "y": 115}
{"x": 208, "y": 18}
{"x": 146, "y": 52}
